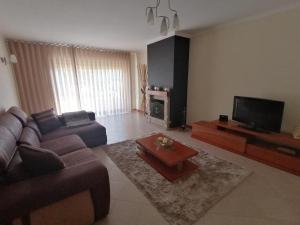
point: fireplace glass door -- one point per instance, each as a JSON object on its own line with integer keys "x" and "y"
{"x": 157, "y": 108}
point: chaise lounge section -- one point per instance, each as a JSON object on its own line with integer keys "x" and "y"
{"x": 78, "y": 194}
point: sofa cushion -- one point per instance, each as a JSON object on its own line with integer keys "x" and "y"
{"x": 25, "y": 197}
{"x": 92, "y": 135}
{"x": 29, "y": 137}
{"x": 7, "y": 148}
{"x": 78, "y": 157}
{"x": 38, "y": 161}
{"x": 64, "y": 145}
{"x": 19, "y": 114}
{"x": 35, "y": 127}
{"x": 12, "y": 124}
{"x": 47, "y": 121}
{"x": 75, "y": 119}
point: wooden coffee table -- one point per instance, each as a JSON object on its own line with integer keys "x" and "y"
{"x": 172, "y": 163}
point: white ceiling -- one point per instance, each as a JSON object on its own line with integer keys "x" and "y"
{"x": 117, "y": 24}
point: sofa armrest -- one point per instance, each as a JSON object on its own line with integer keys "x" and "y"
{"x": 92, "y": 116}
{"x": 21, "y": 198}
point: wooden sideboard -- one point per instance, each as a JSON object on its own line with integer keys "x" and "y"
{"x": 279, "y": 150}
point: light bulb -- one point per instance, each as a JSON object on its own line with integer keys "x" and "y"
{"x": 150, "y": 17}
{"x": 164, "y": 27}
{"x": 175, "y": 22}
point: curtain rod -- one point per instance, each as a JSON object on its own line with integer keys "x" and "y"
{"x": 66, "y": 45}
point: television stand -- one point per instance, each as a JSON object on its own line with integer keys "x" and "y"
{"x": 279, "y": 150}
{"x": 253, "y": 128}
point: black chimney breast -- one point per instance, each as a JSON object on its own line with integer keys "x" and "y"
{"x": 168, "y": 61}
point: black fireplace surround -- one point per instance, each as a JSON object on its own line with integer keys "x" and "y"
{"x": 168, "y": 61}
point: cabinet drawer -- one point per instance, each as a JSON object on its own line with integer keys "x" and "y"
{"x": 274, "y": 157}
{"x": 220, "y": 138}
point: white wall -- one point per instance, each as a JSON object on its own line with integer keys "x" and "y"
{"x": 8, "y": 91}
{"x": 259, "y": 58}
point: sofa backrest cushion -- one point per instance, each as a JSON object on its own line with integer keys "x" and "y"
{"x": 32, "y": 124}
{"x": 7, "y": 148}
{"x": 19, "y": 113}
{"x": 47, "y": 121}
{"x": 38, "y": 161}
{"x": 12, "y": 124}
{"x": 29, "y": 137}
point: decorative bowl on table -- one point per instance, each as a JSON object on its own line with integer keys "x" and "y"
{"x": 164, "y": 142}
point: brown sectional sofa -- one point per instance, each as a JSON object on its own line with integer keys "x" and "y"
{"x": 79, "y": 194}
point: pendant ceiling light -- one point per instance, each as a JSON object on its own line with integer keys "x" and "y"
{"x": 150, "y": 16}
{"x": 164, "y": 27}
{"x": 165, "y": 22}
{"x": 175, "y": 22}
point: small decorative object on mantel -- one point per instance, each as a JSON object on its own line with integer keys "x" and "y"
{"x": 156, "y": 88}
{"x": 167, "y": 89}
{"x": 296, "y": 133}
{"x": 164, "y": 142}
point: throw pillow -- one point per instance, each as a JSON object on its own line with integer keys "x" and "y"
{"x": 47, "y": 121}
{"x": 38, "y": 161}
{"x": 75, "y": 119}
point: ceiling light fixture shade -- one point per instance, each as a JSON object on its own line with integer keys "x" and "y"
{"x": 175, "y": 22}
{"x": 164, "y": 26}
{"x": 150, "y": 16}
{"x": 165, "y": 23}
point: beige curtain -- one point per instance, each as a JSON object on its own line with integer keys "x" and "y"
{"x": 72, "y": 78}
{"x": 32, "y": 75}
{"x": 142, "y": 71}
{"x": 64, "y": 79}
{"x": 103, "y": 81}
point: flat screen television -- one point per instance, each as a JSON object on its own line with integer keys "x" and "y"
{"x": 258, "y": 114}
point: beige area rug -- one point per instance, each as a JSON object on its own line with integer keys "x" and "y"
{"x": 186, "y": 200}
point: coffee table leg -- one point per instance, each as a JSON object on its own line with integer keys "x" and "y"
{"x": 179, "y": 166}
{"x": 141, "y": 149}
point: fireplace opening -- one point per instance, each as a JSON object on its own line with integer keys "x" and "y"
{"x": 157, "y": 108}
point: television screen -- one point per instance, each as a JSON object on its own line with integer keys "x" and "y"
{"x": 258, "y": 114}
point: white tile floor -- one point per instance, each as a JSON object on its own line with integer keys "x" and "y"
{"x": 268, "y": 197}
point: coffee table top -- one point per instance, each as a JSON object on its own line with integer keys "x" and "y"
{"x": 172, "y": 156}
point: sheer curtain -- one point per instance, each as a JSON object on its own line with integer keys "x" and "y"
{"x": 70, "y": 78}
{"x": 64, "y": 82}
{"x": 90, "y": 79}
{"x": 103, "y": 81}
